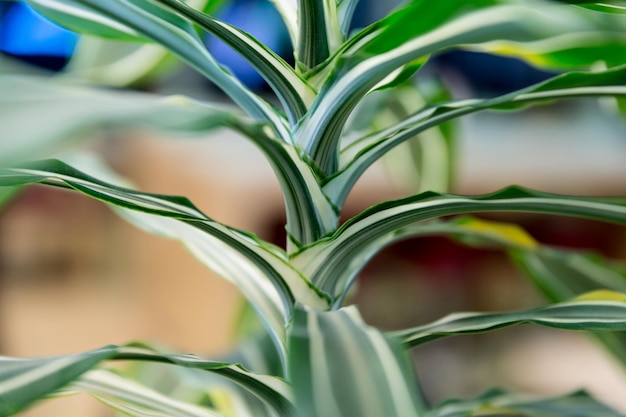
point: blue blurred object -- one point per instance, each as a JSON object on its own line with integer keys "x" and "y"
{"x": 27, "y": 35}
{"x": 491, "y": 74}
{"x": 261, "y": 20}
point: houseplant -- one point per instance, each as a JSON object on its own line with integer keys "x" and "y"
{"x": 322, "y": 359}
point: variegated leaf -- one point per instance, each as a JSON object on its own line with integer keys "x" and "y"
{"x": 362, "y": 153}
{"x": 288, "y": 9}
{"x": 259, "y": 270}
{"x": 369, "y": 61}
{"x": 27, "y": 380}
{"x": 161, "y": 26}
{"x": 560, "y": 274}
{"x": 595, "y": 311}
{"x": 339, "y": 366}
{"x": 272, "y": 390}
{"x": 24, "y": 381}
{"x": 502, "y": 403}
{"x": 333, "y": 263}
{"x": 345, "y": 12}
{"x": 606, "y": 6}
{"x": 66, "y": 112}
{"x": 117, "y": 63}
{"x": 79, "y": 112}
{"x": 294, "y": 93}
{"x": 82, "y": 17}
{"x": 133, "y": 399}
{"x": 320, "y": 33}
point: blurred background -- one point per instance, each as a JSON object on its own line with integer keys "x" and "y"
{"x": 73, "y": 276}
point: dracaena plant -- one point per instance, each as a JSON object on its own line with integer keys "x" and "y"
{"x": 320, "y": 359}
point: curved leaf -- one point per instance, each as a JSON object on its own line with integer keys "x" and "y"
{"x": 24, "y": 381}
{"x": 118, "y": 64}
{"x": 310, "y": 213}
{"x": 333, "y": 263}
{"x": 194, "y": 386}
{"x": 131, "y": 398}
{"x": 64, "y": 111}
{"x": 564, "y": 52}
{"x": 606, "y": 6}
{"x": 77, "y": 111}
{"x": 80, "y": 17}
{"x": 561, "y": 275}
{"x": 174, "y": 33}
{"x": 272, "y": 390}
{"x": 340, "y": 367}
{"x": 260, "y": 271}
{"x": 501, "y": 403}
{"x": 595, "y": 311}
{"x": 362, "y": 153}
{"x": 319, "y": 32}
{"x": 288, "y": 10}
{"x": 295, "y": 94}
{"x": 345, "y": 12}
{"x": 558, "y": 273}
{"x": 424, "y": 162}
{"x": 370, "y": 61}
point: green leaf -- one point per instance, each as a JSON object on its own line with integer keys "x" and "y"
{"x": 254, "y": 349}
{"x": 362, "y": 153}
{"x": 614, "y": 8}
{"x": 332, "y": 264}
{"x": 174, "y": 33}
{"x": 340, "y": 367}
{"x": 310, "y": 214}
{"x": 133, "y": 399}
{"x": 363, "y": 66}
{"x": 606, "y": 6}
{"x": 320, "y": 32}
{"x": 561, "y": 275}
{"x": 64, "y": 112}
{"x": 208, "y": 6}
{"x": 117, "y": 63}
{"x": 401, "y": 75}
{"x": 591, "y": 32}
{"x": 256, "y": 354}
{"x": 79, "y": 111}
{"x": 424, "y": 162}
{"x": 288, "y": 10}
{"x": 345, "y": 12}
{"x": 591, "y": 312}
{"x": 194, "y": 386}
{"x": 294, "y": 93}
{"x": 259, "y": 270}
{"x": 24, "y": 381}
{"x": 417, "y": 18}
{"x": 565, "y": 52}
{"x": 274, "y": 391}
{"x": 81, "y": 17}
{"x": 501, "y": 403}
